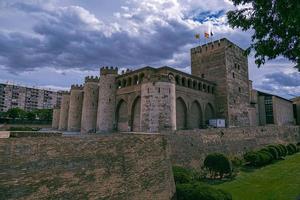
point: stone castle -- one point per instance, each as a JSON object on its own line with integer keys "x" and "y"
{"x": 164, "y": 99}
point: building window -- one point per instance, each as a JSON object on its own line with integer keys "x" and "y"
{"x": 238, "y": 67}
{"x": 240, "y": 89}
{"x": 233, "y": 75}
{"x": 202, "y": 75}
{"x": 158, "y": 90}
{"x": 269, "y": 110}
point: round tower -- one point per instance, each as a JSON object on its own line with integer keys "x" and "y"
{"x": 158, "y": 103}
{"x": 75, "y": 109}
{"x": 90, "y": 105}
{"x": 64, "y": 111}
{"x": 55, "y": 118}
{"x": 107, "y": 99}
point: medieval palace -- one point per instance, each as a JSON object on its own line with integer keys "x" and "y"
{"x": 161, "y": 99}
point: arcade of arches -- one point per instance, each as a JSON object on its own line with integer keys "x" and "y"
{"x": 128, "y": 116}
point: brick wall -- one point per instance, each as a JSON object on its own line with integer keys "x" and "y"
{"x": 189, "y": 147}
{"x": 86, "y": 167}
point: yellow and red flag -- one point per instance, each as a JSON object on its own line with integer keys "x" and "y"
{"x": 206, "y": 35}
{"x": 197, "y": 36}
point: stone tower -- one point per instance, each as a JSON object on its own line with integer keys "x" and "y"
{"x": 75, "y": 108}
{"x": 158, "y": 103}
{"x": 90, "y": 105}
{"x": 107, "y": 99}
{"x": 225, "y": 64}
{"x": 55, "y": 118}
{"x": 64, "y": 111}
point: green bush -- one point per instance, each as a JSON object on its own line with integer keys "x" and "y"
{"x": 259, "y": 158}
{"x": 23, "y": 128}
{"x": 292, "y": 148}
{"x": 200, "y": 191}
{"x": 182, "y": 175}
{"x": 236, "y": 161}
{"x": 284, "y": 149}
{"x": 272, "y": 150}
{"x": 218, "y": 163}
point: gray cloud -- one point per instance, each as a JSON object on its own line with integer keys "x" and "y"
{"x": 289, "y": 80}
{"x": 72, "y": 37}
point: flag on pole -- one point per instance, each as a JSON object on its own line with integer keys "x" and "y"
{"x": 211, "y": 33}
{"x": 206, "y": 35}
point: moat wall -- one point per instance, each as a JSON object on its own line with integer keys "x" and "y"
{"x": 86, "y": 167}
{"x": 189, "y": 147}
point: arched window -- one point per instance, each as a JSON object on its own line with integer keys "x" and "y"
{"x": 135, "y": 79}
{"x": 190, "y": 83}
{"x": 141, "y": 78}
{"x": 183, "y": 81}
{"x": 194, "y": 84}
{"x": 177, "y": 79}
{"x": 124, "y": 83}
{"x": 129, "y": 80}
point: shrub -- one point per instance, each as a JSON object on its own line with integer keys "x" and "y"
{"x": 250, "y": 156}
{"x": 236, "y": 161}
{"x": 258, "y": 158}
{"x": 182, "y": 175}
{"x": 284, "y": 149}
{"x": 272, "y": 150}
{"x": 201, "y": 191}
{"x": 292, "y": 148}
{"x": 218, "y": 163}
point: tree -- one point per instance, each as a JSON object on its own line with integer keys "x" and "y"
{"x": 218, "y": 163}
{"x": 16, "y": 113}
{"x": 276, "y": 26}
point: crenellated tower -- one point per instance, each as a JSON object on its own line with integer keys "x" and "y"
{"x": 107, "y": 99}
{"x": 64, "y": 111}
{"x": 90, "y": 104}
{"x": 75, "y": 108}
{"x": 226, "y": 64}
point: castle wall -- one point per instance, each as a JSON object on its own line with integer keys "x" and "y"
{"x": 55, "y": 118}
{"x": 116, "y": 167}
{"x": 64, "y": 112}
{"x": 189, "y": 147}
{"x": 90, "y": 105}
{"x": 190, "y": 97}
{"x": 75, "y": 108}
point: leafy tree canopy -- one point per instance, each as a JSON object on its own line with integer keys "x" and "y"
{"x": 276, "y": 25}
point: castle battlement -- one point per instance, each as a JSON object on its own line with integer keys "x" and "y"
{"x": 108, "y": 70}
{"x": 76, "y": 87}
{"x": 91, "y": 79}
{"x": 65, "y": 93}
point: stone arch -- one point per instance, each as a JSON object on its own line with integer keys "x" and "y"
{"x": 195, "y": 116}
{"x": 183, "y": 81}
{"x": 135, "y": 79}
{"x": 209, "y": 112}
{"x": 141, "y": 77}
{"x": 136, "y": 115}
{"x": 119, "y": 84}
{"x": 129, "y": 81}
{"x": 199, "y": 86}
{"x": 189, "y": 83}
{"x": 177, "y": 80}
{"x": 181, "y": 114}
{"x": 194, "y": 84}
{"x": 124, "y": 83}
{"x": 122, "y": 116}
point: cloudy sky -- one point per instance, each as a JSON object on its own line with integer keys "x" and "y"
{"x": 55, "y": 43}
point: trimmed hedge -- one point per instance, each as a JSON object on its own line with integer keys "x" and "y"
{"x": 182, "y": 175}
{"x": 268, "y": 154}
{"x": 218, "y": 163}
{"x": 200, "y": 191}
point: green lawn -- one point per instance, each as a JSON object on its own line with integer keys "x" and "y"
{"x": 278, "y": 181}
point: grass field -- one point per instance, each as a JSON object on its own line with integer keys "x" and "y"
{"x": 278, "y": 181}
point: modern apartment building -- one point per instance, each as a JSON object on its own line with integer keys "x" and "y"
{"x": 15, "y": 96}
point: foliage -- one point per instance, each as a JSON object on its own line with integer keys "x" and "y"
{"x": 196, "y": 191}
{"x": 17, "y": 114}
{"x": 292, "y": 148}
{"x": 274, "y": 152}
{"x": 181, "y": 175}
{"x": 276, "y": 26}
{"x": 23, "y": 129}
{"x": 218, "y": 163}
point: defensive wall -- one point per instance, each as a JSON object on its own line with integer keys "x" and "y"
{"x": 127, "y": 166}
{"x": 189, "y": 147}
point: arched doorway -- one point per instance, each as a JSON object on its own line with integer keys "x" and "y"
{"x": 122, "y": 116}
{"x": 209, "y": 113}
{"x": 195, "y": 116}
{"x": 180, "y": 114}
{"x": 136, "y": 115}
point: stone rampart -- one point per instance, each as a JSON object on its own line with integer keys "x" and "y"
{"x": 189, "y": 147}
{"x": 86, "y": 167}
